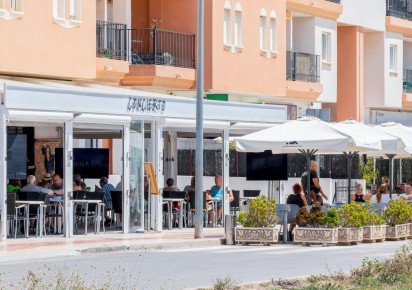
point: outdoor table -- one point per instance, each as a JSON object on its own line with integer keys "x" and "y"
{"x": 214, "y": 202}
{"x": 57, "y": 203}
{"x": 171, "y": 201}
{"x": 27, "y": 203}
{"x": 86, "y": 202}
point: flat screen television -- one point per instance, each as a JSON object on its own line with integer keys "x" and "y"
{"x": 88, "y": 162}
{"x": 266, "y": 166}
{"x": 16, "y": 156}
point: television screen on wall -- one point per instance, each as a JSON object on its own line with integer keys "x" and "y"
{"x": 266, "y": 166}
{"x": 88, "y": 162}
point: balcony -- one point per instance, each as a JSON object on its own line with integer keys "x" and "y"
{"x": 303, "y": 76}
{"x": 399, "y": 9}
{"x": 111, "y": 40}
{"x": 334, "y": 1}
{"x": 328, "y": 9}
{"x": 302, "y": 67}
{"x": 162, "y": 47}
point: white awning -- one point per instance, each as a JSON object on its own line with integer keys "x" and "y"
{"x": 102, "y": 119}
{"x": 179, "y": 124}
{"x": 37, "y": 116}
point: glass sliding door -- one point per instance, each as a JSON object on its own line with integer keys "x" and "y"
{"x": 136, "y": 177}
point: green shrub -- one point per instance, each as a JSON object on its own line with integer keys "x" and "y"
{"x": 261, "y": 213}
{"x": 352, "y": 215}
{"x": 315, "y": 218}
{"x": 398, "y": 212}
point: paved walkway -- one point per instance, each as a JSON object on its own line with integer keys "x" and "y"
{"x": 54, "y": 246}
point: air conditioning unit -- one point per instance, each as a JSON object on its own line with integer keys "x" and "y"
{"x": 322, "y": 114}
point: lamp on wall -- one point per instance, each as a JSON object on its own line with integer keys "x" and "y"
{"x": 288, "y": 15}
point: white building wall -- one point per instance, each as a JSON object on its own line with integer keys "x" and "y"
{"x": 374, "y": 67}
{"x": 393, "y": 80}
{"x": 304, "y": 34}
{"x": 328, "y": 71}
{"x": 369, "y": 14}
{"x": 117, "y": 153}
{"x": 46, "y": 133}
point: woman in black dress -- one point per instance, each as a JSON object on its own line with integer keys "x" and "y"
{"x": 296, "y": 198}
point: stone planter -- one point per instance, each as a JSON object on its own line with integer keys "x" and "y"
{"x": 350, "y": 236}
{"x": 373, "y": 234}
{"x": 410, "y": 231}
{"x": 256, "y": 235}
{"x": 397, "y": 232}
{"x": 322, "y": 236}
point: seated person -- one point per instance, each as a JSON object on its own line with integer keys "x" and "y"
{"x": 57, "y": 186}
{"x": 407, "y": 196}
{"x": 217, "y": 192}
{"x": 14, "y": 184}
{"x": 358, "y": 196}
{"x": 32, "y": 186}
{"x": 382, "y": 196}
{"x": 296, "y": 198}
{"x": 78, "y": 183}
{"x": 190, "y": 187}
{"x": 106, "y": 187}
{"x": 170, "y": 185}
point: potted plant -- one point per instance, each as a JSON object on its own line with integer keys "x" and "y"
{"x": 258, "y": 222}
{"x": 105, "y": 53}
{"x": 352, "y": 218}
{"x": 316, "y": 227}
{"x": 398, "y": 216}
{"x": 374, "y": 229}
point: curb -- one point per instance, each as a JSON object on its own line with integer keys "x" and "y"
{"x": 155, "y": 246}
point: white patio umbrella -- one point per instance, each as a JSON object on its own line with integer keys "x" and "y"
{"x": 364, "y": 139}
{"x": 404, "y": 148}
{"x": 307, "y": 135}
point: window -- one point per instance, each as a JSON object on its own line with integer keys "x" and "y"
{"x": 262, "y": 30}
{"x": 326, "y": 47}
{"x": 75, "y": 9}
{"x": 59, "y": 9}
{"x": 17, "y": 5}
{"x": 393, "y": 57}
{"x": 227, "y": 25}
{"x": 238, "y": 25}
{"x": 273, "y": 33}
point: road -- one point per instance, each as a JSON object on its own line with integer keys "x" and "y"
{"x": 194, "y": 268}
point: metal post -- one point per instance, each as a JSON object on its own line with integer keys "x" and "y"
{"x": 350, "y": 156}
{"x": 68, "y": 176}
{"x": 225, "y": 171}
{"x": 126, "y": 179}
{"x": 154, "y": 45}
{"x": 199, "y": 123}
{"x": 391, "y": 157}
{"x": 308, "y": 154}
{"x": 3, "y": 173}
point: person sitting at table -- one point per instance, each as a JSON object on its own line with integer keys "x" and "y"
{"x": 296, "y": 198}
{"x": 358, "y": 196}
{"x": 57, "y": 186}
{"x": 106, "y": 187}
{"x": 407, "y": 196}
{"x": 33, "y": 187}
{"x": 217, "y": 192}
{"x": 190, "y": 187}
{"x": 14, "y": 184}
{"x": 79, "y": 182}
{"x": 46, "y": 181}
{"x": 170, "y": 185}
{"x": 382, "y": 196}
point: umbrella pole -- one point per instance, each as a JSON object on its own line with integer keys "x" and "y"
{"x": 390, "y": 156}
{"x": 350, "y": 156}
{"x": 308, "y": 154}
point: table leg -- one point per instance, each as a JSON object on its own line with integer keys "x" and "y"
{"x": 181, "y": 216}
{"x": 170, "y": 214}
{"x": 41, "y": 220}
{"x": 87, "y": 217}
{"x": 285, "y": 227}
{"x": 27, "y": 221}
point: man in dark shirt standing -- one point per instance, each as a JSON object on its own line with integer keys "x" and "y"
{"x": 316, "y": 191}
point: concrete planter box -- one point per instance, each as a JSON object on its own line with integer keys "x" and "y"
{"x": 373, "y": 234}
{"x": 350, "y": 236}
{"x": 256, "y": 235}
{"x": 397, "y": 232}
{"x": 322, "y": 236}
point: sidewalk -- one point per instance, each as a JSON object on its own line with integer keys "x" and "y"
{"x": 54, "y": 246}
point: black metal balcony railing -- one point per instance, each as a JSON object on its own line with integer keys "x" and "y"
{"x": 407, "y": 81}
{"x": 335, "y": 1}
{"x": 399, "y": 9}
{"x": 111, "y": 40}
{"x": 302, "y": 67}
{"x": 162, "y": 47}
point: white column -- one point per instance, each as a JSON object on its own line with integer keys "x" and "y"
{"x": 226, "y": 160}
{"x": 126, "y": 179}
{"x": 68, "y": 178}
{"x": 3, "y": 173}
{"x": 171, "y": 155}
{"x": 156, "y": 200}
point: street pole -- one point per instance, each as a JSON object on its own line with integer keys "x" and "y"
{"x": 199, "y": 124}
